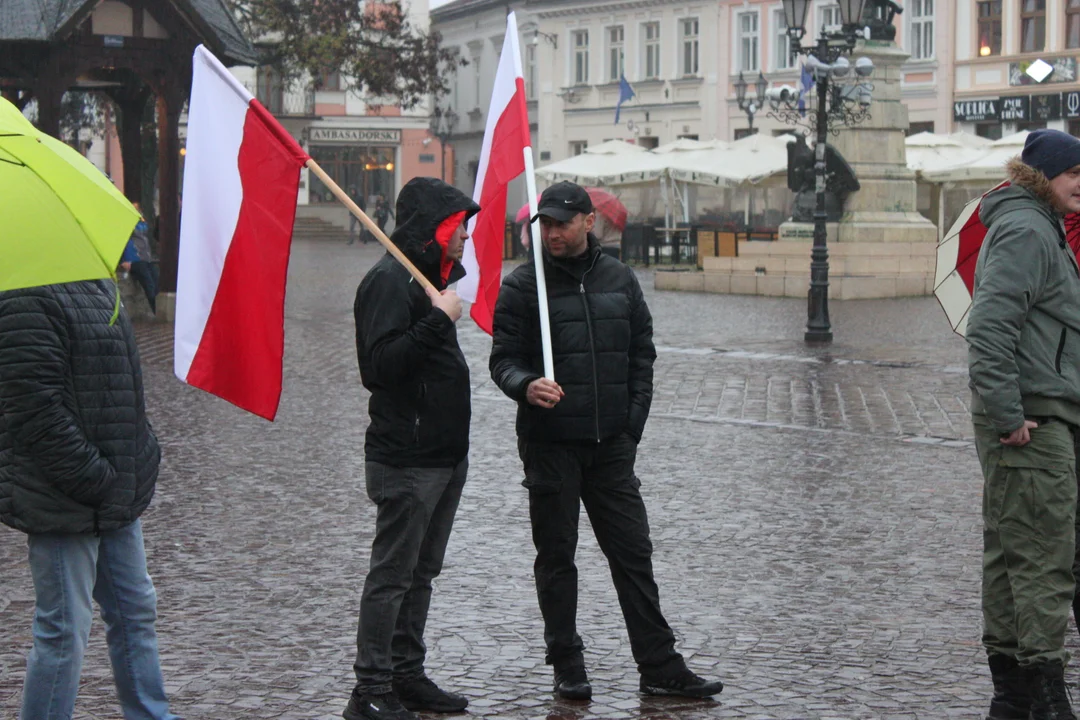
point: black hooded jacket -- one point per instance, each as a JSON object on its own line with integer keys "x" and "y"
{"x": 77, "y": 454}
{"x": 601, "y": 337}
{"x": 408, "y": 350}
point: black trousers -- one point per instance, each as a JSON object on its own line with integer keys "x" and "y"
{"x": 560, "y": 477}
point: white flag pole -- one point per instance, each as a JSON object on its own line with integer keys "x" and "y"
{"x": 536, "y": 244}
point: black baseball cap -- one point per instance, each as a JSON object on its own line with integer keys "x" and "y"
{"x": 563, "y": 201}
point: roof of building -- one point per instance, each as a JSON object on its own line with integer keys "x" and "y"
{"x": 44, "y": 20}
{"x": 464, "y": 8}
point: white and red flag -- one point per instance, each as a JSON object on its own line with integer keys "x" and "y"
{"x": 502, "y": 158}
{"x": 241, "y": 174}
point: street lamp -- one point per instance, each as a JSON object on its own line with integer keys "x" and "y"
{"x": 443, "y": 121}
{"x": 843, "y": 99}
{"x": 752, "y": 106}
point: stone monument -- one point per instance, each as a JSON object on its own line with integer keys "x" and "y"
{"x": 881, "y": 246}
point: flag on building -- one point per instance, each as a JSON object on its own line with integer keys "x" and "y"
{"x": 625, "y": 93}
{"x": 241, "y": 173}
{"x": 502, "y": 158}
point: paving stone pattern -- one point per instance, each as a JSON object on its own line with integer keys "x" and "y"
{"x": 815, "y": 515}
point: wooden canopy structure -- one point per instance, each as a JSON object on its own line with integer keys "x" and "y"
{"x": 131, "y": 50}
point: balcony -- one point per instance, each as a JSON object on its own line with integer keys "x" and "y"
{"x": 283, "y": 103}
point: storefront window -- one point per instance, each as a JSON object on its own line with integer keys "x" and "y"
{"x": 1074, "y": 128}
{"x": 990, "y": 130}
{"x": 363, "y": 172}
{"x": 1030, "y": 126}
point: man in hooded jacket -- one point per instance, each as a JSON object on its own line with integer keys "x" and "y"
{"x": 416, "y": 449}
{"x": 1023, "y": 337}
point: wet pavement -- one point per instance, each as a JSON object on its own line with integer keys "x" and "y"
{"x": 815, "y": 515}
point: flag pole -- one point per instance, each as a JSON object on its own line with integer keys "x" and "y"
{"x": 536, "y": 245}
{"x": 370, "y": 224}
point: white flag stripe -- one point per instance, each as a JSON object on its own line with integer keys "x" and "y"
{"x": 212, "y": 198}
{"x": 505, "y": 87}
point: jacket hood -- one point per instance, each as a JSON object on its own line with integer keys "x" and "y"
{"x": 423, "y": 203}
{"x": 1029, "y": 190}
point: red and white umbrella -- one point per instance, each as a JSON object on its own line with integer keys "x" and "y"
{"x": 958, "y": 252}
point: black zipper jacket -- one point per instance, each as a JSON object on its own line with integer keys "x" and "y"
{"x": 409, "y": 355}
{"x": 77, "y": 453}
{"x": 601, "y": 333}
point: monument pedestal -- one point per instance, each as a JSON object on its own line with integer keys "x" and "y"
{"x": 882, "y": 247}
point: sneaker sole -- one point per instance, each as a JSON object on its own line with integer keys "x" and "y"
{"x": 445, "y": 708}
{"x": 670, "y": 692}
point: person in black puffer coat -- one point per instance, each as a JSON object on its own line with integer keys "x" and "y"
{"x": 416, "y": 448}
{"x": 78, "y": 466}
{"x": 578, "y": 438}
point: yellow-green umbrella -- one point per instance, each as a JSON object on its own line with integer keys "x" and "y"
{"x": 61, "y": 219}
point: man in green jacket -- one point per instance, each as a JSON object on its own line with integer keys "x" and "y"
{"x": 1024, "y": 361}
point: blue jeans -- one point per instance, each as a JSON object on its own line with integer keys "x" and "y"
{"x": 416, "y": 508}
{"x": 68, "y": 571}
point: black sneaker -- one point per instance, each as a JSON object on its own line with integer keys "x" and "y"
{"x": 681, "y": 683}
{"x": 370, "y": 706}
{"x": 423, "y": 694}
{"x": 572, "y": 684}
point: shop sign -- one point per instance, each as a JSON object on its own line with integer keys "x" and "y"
{"x": 1016, "y": 108}
{"x": 1070, "y": 104}
{"x": 1064, "y": 71}
{"x": 975, "y": 110}
{"x": 355, "y": 135}
{"x": 1045, "y": 107}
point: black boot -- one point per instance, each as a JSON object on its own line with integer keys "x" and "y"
{"x": 1049, "y": 696}
{"x": 1012, "y": 696}
{"x": 572, "y": 683}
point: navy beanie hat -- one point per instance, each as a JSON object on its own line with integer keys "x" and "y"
{"x": 1051, "y": 151}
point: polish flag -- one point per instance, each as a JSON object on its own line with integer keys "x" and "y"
{"x": 241, "y": 174}
{"x": 506, "y": 152}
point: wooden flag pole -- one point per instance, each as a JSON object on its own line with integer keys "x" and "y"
{"x": 370, "y": 224}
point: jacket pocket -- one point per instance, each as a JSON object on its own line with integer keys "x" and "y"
{"x": 1060, "y": 350}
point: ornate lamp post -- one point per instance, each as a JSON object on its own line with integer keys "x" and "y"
{"x": 842, "y": 100}
{"x": 751, "y": 106}
{"x": 443, "y": 121}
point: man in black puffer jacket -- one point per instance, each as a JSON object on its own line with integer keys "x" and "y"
{"x": 578, "y": 438}
{"x": 78, "y": 465}
{"x": 416, "y": 448}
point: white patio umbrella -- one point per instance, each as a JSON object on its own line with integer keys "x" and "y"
{"x": 988, "y": 166}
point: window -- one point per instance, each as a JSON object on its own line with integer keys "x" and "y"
{"x": 989, "y": 27}
{"x": 920, "y": 127}
{"x": 1072, "y": 24}
{"x": 270, "y": 89}
{"x": 1032, "y": 25}
{"x": 581, "y": 56}
{"x": 1074, "y": 128}
{"x": 922, "y": 29}
{"x": 651, "y": 48}
{"x": 748, "y": 41}
{"x": 476, "y": 81}
{"x": 616, "y": 52}
{"x": 329, "y": 80}
{"x": 530, "y": 72}
{"x": 577, "y": 147}
{"x": 828, "y": 16}
{"x": 782, "y": 61}
{"x": 689, "y": 30}
{"x": 988, "y": 130}
{"x": 741, "y": 133}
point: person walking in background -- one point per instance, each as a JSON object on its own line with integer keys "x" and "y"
{"x": 1023, "y": 339}
{"x": 78, "y": 466}
{"x": 354, "y": 221}
{"x": 383, "y": 213}
{"x": 138, "y": 259}
{"x": 416, "y": 449}
{"x": 578, "y": 439}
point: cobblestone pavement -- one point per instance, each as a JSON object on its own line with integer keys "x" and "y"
{"x": 814, "y": 512}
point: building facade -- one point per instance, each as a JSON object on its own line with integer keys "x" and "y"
{"x": 477, "y": 29}
{"x": 1016, "y": 66}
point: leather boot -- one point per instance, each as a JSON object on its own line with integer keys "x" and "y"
{"x": 1012, "y": 696}
{"x": 1049, "y": 696}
